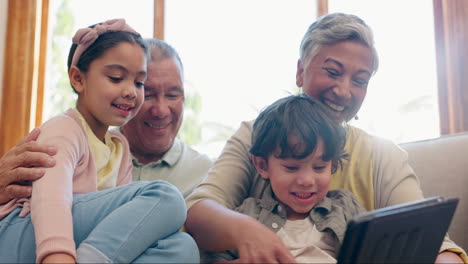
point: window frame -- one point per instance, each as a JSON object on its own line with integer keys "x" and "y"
{"x": 25, "y": 53}
{"x": 451, "y": 36}
{"x": 24, "y": 68}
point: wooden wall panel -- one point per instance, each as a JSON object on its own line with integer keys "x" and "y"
{"x": 322, "y": 7}
{"x": 451, "y": 32}
{"x": 42, "y": 61}
{"x": 158, "y": 19}
{"x": 21, "y": 71}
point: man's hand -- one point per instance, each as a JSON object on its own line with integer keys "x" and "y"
{"x": 20, "y": 166}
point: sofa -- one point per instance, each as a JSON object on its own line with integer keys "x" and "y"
{"x": 442, "y": 167}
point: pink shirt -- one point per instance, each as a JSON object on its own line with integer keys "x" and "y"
{"x": 74, "y": 172}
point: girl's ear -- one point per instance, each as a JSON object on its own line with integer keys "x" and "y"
{"x": 299, "y": 73}
{"x": 76, "y": 79}
{"x": 261, "y": 165}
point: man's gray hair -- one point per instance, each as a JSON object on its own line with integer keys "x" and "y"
{"x": 159, "y": 50}
{"x": 333, "y": 28}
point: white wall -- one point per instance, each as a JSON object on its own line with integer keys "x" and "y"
{"x": 3, "y": 21}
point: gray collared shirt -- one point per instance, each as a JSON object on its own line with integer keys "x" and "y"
{"x": 329, "y": 215}
{"x": 182, "y": 166}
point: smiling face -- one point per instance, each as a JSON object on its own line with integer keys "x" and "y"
{"x": 299, "y": 184}
{"x": 111, "y": 91}
{"x": 338, "y": 77}
{"x": 152, "y": 132}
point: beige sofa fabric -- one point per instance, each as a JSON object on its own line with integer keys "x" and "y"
{"x": 442, "y": 167}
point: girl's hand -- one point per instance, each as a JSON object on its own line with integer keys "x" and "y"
{"x": 18, "y": 167}
{"x": 59, "y": 258}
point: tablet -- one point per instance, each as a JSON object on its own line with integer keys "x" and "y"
{"x": 406, "y": 233}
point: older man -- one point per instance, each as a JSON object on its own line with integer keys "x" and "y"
{"x": 157, "y": 153}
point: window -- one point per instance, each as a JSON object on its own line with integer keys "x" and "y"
{"x": 65, "y": 18}
{"x": 239, "y": 56}
{"x": 243, "y": 57}
{"x": 234, "y": 50}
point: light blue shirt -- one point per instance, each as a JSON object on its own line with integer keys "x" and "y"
{"x": 182, "y": 166}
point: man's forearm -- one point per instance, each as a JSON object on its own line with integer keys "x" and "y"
{"x": 4, "y": 198}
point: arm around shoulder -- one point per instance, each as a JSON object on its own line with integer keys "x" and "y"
{"x": 22, "y": 164}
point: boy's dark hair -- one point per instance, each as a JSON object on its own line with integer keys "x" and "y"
{"x": 304, "y": 118}
{"x": 101, "y": 45}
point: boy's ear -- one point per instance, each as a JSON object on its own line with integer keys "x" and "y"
{"x": 261, "y": 165}
{"x": 76, "y": 79}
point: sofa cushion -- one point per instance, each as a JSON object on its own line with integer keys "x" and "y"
{"x": 441, "y": 165}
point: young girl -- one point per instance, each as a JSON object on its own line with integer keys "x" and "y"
{"x": 69, "y": 220}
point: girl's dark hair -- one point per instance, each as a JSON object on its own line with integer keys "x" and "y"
{"x": 104, "y": 42}
{"x": 306, "y": 120}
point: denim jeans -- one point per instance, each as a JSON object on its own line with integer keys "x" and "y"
{"x": 138, "y": 223}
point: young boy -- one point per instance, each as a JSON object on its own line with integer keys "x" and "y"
{"x": 296, "y": 146}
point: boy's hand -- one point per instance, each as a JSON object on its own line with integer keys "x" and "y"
{"x": 258, "y": 244}
{"x": 19, "y": 167}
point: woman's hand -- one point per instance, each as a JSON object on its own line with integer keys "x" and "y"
{"x": 217, "y": 228}
{"x": 19, "y": 167}
{"x": 448, "y": 257}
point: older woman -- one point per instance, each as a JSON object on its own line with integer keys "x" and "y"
{"x": 337, "y": 59}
